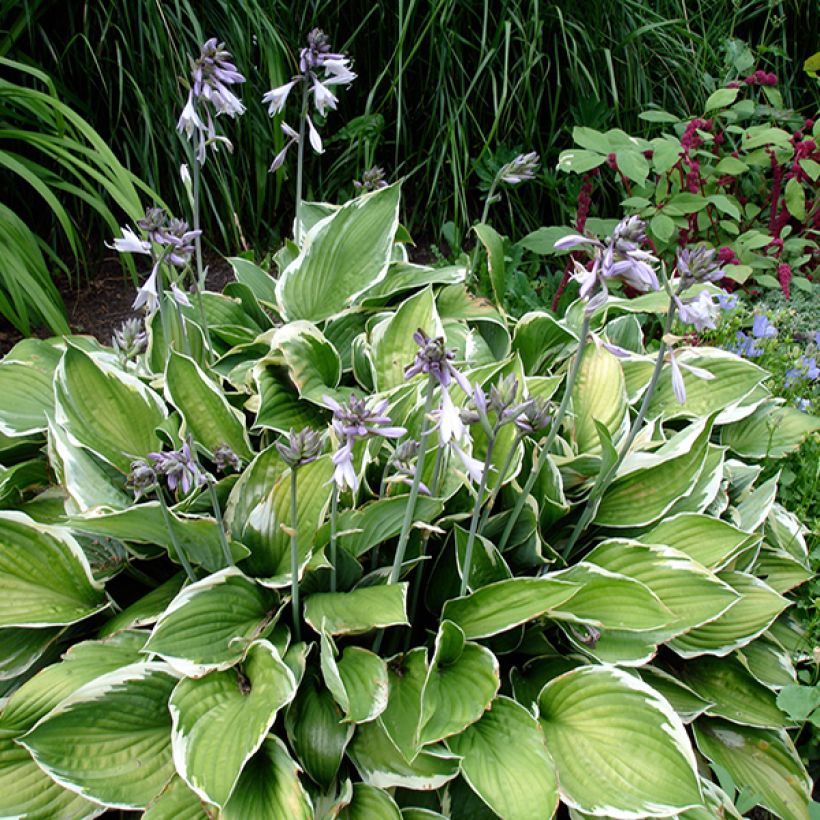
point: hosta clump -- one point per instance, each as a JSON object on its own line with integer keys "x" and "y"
{"x": 586, "y": 605}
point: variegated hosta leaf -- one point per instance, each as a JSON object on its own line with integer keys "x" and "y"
{"x": 762, "y": 760}
{"x": 380, "y": 763}
{"x": 784, "y": 530}
{"x": 618, "y": 746}
{"x": 745, "y": 620}
{"x": 44, "y": 574}
{"x": 403, "y": 718}
{"x": 146, "y": 610}
{"x": 110, "y": 741}
{"x": 358, "y": 680}
{"x": 682, "y": 699}
{"x": 220, "y": 721}
{"x": 539, "y": 338}
{"x": 370, "y": 803}
{"x": 392, "y": 347}
{"x": 176, "y": 802}
{"x": 710, "y": 541}
{"x": 110, "y": 412}
{"x": 207, "y": 415}
{"x": 20, "y": 648}
{"x": 211, "y": 623}
{"x": 755, "y": 507}
{"x": 405, "y": 276}
{"x": 360, "y": 610}
{"x": 598, "y": 394}
{"x": 503, "y": 605}
{"x": 649, "y": 485}
{"x": 772, "y": 431}
{"x": 781, "y": 571}
{"x": 505, "y": 761}
{"x": 270, "y": 787}
{"x": 768, "y": 663}
{"x": 735, "y": 695}
{"x": 342, "y": 256}
{"x": 707, "y": 487}
{"x": 462, "y": 681}
{"x": 27, "y": 387}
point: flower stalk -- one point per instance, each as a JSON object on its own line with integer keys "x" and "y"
{"x": 294, "y": 556}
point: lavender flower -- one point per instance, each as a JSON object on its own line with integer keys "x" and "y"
{"x": 474, "y": 467}
{"x": 142, "y": 478}
{"x": 519, "y": 170}
{"x": 226, "y": 460}
{"x": 372, "y": 180}
{"x": 301, "y": 447}
{"x": 434, "y": 358}
{"x": 129, "y": 242}
{"x": 762, "y": 328}
{"x": 803, "y": 405}
{"x": 177, "y": 241}
{"x": 402, "y": 462}
{"x": 806, "y": 370}
{"x": 180, "y": 468}
{"x": 698, "y": 264}
{"x": 745, "y": 346}
{"x": 129, "y": 339}
{"x": 620, "y": 257}
{"x": 534, "y": 417}
{"x": 678, "y": 386}
{"x": 727, "y": 301}
{"x": 353, "y": 421}
{"x": 700, "y": 311}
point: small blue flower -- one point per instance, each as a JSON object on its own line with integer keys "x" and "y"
{"x": 727, "y": 301}
{"x": 803, "y": 405}
{"x": 762, "y": 328}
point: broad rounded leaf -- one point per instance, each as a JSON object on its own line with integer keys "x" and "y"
{"x": 111, "y": 740}
{"x": 27, "y": 387}
{"x": 20, "y": 648}
{"x": 601, "y": 720}
{"x": 370, "y": 803}
{"x": 505, "y": 761}
{"x": 770, "y": 432}
{"x": 709, "y": 541}
{"x": 360, "y": 610}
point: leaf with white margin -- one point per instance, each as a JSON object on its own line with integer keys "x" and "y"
{"x": 270, "y": 787}
{"x": 380, "y": 763}
{"x": 709, "y": 541}
{"x": 405, "y": 276}
{"x": 392, "y": 346}
{"x": 706, "y": 488}
{"x": 506, "y": 763}
{"x": 735, "y": 695}
{"x": 26, "y": 791}
{"x": 209, "y": 625}
{"x": 682, "y": 699}
{"x": 539, "y": 338}
{"x": 498, "y": 607}
{"x": 785, "y": 530}
{"x": 370, "y": 803}
{"x": 768, "y": 663}
{"x": 44, "y": 574}
{"x": 610, "y": 600}
{"x": 651, "y": 483}
{"x": 403, "y": 718}
{"x": 358, "y": 680}
{"x": 110, "y": 741}
{"x": 772, "y": 431}
{"x": 750, "y": 617}
{"x": 220, "y": 721}
{"x": 462, "y": 680}
{"x": 207, "y": 415}
{"x": 780, "y": 570}
{"x": 81, "y": 664}
{"x": 601, "y": 719}
{"x": 27, "y": 387}
{"x": 763, "y": 760}
{"x": 176, "y": 802}
{"x": 690, "y": 592}
{"x": 146, "y": 610}
{"x": 755, "y": 507}
{"x": 20, "y": 648}
{"x": 107, "y": 410}
{"x": 357, "y": 611}
{"x": 342, "y": 256}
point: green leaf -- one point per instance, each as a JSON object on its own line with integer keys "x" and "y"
{"x": 632, "y": 164}
{"x": 357, "y": 611}
{"x": 498, "y": 607}
{"x": 110, "y": 741}
{"x": 797, "y": 701}
{"x": 643, "y": 495}
{"x": 682, "y": 699}
{"x": 405, "y": 276}
{"x": 391, "y": 341}
{"x": 20, "y": 648}
{"x": 662, "y": 227}
{"x": 370, "y": 803}
{"x": 725, "y": 205}
{"x": 653, "y": 115}
{"x": 316, "y": 732}
{"x": 505, "y": 761}
{"x": 44, "y": 574}
{"x": 731, "y": 166}
{"x": 221, "y": 720}
{"x": 461, "y": 683}
{"x": 539, "y": 338}
{"x": 270, "y": 787}
{"x": 770, "y": 432}
{"x": 795, "y": 198}
{"x": 312, "y": 363}
{"x": 542, "y": 240}
{"x": 111, "y": 412}
{"x": 175, "y": 802}
{"x": 708, "y": 540}
{"x": 358, "y": 681}
{"x": 145, "y": 611}
{"x": 27, "y": 387}
{"x": 644, "y": 765}
{"x": 721, "y": 98}
{"x": 598, "y": 394}
{"x": 753, "y": 613}
{"x": 685, "y": 203}
{"x": 494, "y": 245}
{"x": 194, "y": 641}
{"x": 735, "y": 695}
{"x": 260, "y": 282}
{"x": 403, "y": 718}
{"x": 380, "y": 763}
{"x": 342, "y": 256}
{"x": 761, "y": 760}
{"x": 207, "y": 415}
{"x": 768, "y": 663}
{"x": 578, "y": 161}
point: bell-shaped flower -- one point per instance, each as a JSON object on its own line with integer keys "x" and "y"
{"x": 129, "y": 242}
{"x": 148, "y": 295}
{"x": 700, "y": 311}
{"x": 323, "y": 97}
{"x": 337, "y": 72}
{"x": 277, "y": 97}
{"x": 474, "y": 467}
{"x": 313, "y": 135}
{"x": 448, "y": 420}
{"x": 189, "y": 121}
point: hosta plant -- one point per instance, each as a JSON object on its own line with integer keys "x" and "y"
{"x": 394, "y": 555}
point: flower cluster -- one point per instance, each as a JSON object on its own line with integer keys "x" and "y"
{"x": 129, "y": 339}
{"x": 700, "y": 311}
{"x": 300, "y": 447}
{"x": 619, "y": 257}
{"x": 373, "y": 179}
{"x": 180, "y": 468}
{"x": 699, "y": 264}
{"x": 212, "y": 74}
{"x": 226, "y": 460}
{"x": 746, "y": 345}
{"x": 352, "y": 422}
{"x": 314, "y": 57}
{"x": 521, "y": 169}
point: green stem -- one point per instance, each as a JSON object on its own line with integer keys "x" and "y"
{"x": 484, "y": 215}
{"x": 294, "y": 557}
{"x": 186, "y": 344}
{"x": 166, "y": 514}
{"x": 468, "y": 552}
{"x": 334, "y": 508}
{"x": 603, "y": 481}
{"x": 195, "y": 218}
{"x": 300, "y": 160}
{"x": 497, "y": 488}
{"x": 556, "y": 426}
{"x": 223, "y": 538}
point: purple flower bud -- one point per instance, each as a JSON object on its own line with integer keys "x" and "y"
{"x": 129, "y": 339}
{"x": 180, "y": 469}
{"x": 226, "y": 460}
{"x": 519, "y": 170}
{"x": 300, "y": 448}
{"x": 142, "y": 478}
